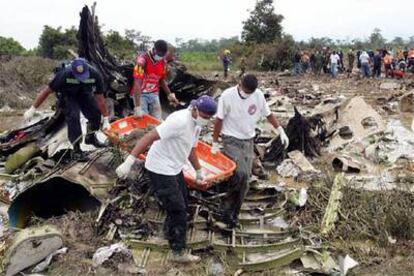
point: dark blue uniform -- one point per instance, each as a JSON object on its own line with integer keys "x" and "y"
{"x": 74, "y": 97}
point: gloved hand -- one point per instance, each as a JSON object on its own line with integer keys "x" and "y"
{"x": 138, "y": 112}
{"x": 283, "y": 137}
{"x": 29, "y": 113}
{"x": 215, "y": 148}
{"x": 199, "y": 175}
{"x": 123, "y": 170}
{"x": 106, "y": 124}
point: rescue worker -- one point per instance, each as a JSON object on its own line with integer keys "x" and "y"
{"x": 365, "y": 61}
{"x": 150, "y": 72}
{"x": 351, "y": 60}
{"x": 173, "y": 143}
{"x": 79, "y": 88}
{"x": 388, "y": 60}
{"x": 410, "y": 59}
{"x": 377, "y": 62}
{"x": 226, "y": 62}
{"x": 334, "y": 59}
{"x": 239, "y": 109}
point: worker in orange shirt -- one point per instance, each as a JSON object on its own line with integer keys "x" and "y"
{"x": 388, "y": 58}
{"x": 410, "y": 58}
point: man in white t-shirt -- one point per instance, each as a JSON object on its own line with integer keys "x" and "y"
{"x": 334, "y": 59}
{"x": 365, "y": 61}
{"x": 239, "y": 109}
{"x": 173, "y": 143}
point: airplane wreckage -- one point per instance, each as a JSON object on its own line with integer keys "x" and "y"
{"x": 39, "y": 179}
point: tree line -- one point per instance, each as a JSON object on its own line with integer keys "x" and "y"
{"x": 262, "y": 40}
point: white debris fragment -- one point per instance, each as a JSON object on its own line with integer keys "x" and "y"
{"x": 43, "y": 265}
{"x": 104, "y": 253}
{"x": 347, "y": 263}
{"x": 303, "y": 197}
{"x": 288, "y": 169}
{"x": 279, "y": 222}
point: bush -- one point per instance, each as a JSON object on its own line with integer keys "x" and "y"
{"x": 272, "y": 56}
{"x": 9, "y": 46}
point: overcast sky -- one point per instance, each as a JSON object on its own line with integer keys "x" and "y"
{"x": 208, "y": 19}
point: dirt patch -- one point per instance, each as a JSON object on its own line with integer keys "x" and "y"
{"x": 81, "y": 240}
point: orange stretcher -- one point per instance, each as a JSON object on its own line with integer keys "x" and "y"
{"x": 216, "y": 168}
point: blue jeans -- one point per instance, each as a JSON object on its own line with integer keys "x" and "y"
{"x": 150, "y": 104}
{"x": 365, "y": 70}
{"x": 334, "y": 70}
{"x": 297, "y": 68}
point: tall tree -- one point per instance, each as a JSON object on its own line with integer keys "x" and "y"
{"x": 120, "y": 46}
{"x": 376, "y": 40}
{"x": 263, "y": 25}
{"x": 54, "y": 42}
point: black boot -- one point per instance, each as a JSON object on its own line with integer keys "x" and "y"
{"x": 91, "y": 139}
{"x": 78, "y": 154}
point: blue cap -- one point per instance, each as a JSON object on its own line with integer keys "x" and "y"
{"x": 205, "y": 104}
{"x": 80, "y": 69}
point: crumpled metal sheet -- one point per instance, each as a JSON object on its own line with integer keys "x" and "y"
{"x": 352, "y": 115}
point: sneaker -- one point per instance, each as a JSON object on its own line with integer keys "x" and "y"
{"x": 91, "y": 139}
{"x": 181, "y": 257}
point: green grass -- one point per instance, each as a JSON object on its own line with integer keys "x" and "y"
{"x": 201, "y": 61}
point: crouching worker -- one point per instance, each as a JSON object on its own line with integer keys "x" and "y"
{"x": 173, "y": 143}
{"x": 79, "y": 88}
{"x": 239, "y": 109}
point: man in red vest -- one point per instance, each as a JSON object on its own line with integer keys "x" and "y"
{"x": 150, "y": 74}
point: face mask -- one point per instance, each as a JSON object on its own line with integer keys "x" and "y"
{"x": 200, "y": 121}
{"x": 157, "y": 57}
{"x": 244, "y": 94}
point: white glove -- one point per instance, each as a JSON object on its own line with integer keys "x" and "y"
{"x": 215, "y": 148}
{"x": 283, "y": 137}
{"x": 138, "y": 111}
{"x": 123, "y": 170}
{"x": 106, "y": 124}
{"x": 412, "y": 125}
{"x": 199, "y": 175}
{"x": 29, "y": 113}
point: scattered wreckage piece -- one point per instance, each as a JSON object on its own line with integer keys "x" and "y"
{"x": 331, "y": 212}
{"x": 396, "y": 143}
{"x": 30, "y": 246}
{"x": 13, "y": 140}
{"x": 77, "y": 186}
{"x": 390, "y": 86}
{"x": 300, "y": 160}
{"x": 359, "y": 120}
{"x": 256, "y": 248}
{"x": 20, "y": 157}
{"x": 272, "y": 261}
{"x": 302, "y": 137}
{"x": 347, "y": 164}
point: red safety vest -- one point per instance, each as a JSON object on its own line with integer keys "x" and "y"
{"x": 151, "y": 72}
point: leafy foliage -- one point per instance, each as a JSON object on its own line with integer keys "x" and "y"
{"x": 264, "y": 25}
{"x": 54, "y": 42}
{"x": 199, "y": 45}
{"x": 121, "y": 47}
{"x": 9, "y": 46}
